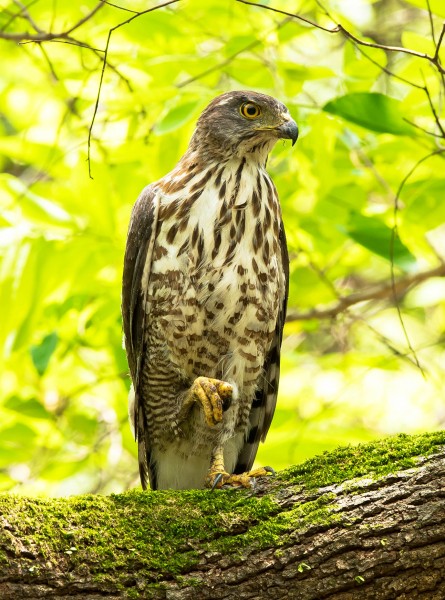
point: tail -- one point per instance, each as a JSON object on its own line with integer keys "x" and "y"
{"x": 147, "y": 470}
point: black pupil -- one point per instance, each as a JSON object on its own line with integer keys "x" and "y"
{"x": 251, "y": 110}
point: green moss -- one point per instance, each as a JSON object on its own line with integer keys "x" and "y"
{"x": 375, "y": 459}
{"x": 157, "y": 534}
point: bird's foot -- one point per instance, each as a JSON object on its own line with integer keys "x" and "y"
{"x": 214, "y": 395}
{"x": 246, "y": 480}
{"x": 218, "y": 477}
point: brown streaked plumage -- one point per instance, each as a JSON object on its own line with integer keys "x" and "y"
{"x": 204, "y": 299}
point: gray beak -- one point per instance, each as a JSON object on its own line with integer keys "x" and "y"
{"x": 289, "y": 130}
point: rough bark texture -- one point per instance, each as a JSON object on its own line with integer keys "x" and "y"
{"x": 365, "y": 522}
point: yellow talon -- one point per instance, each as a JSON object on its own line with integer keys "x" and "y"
{"x": 217, "y": 476}
{"x": 214, "y": 396}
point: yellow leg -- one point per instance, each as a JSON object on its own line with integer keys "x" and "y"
{"x": 217, "y": 475}
{"x": 214, "y": 396}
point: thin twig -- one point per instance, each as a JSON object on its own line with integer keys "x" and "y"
{"x": 430, "y": 16}
{"x": 26, "y": 15}
{"x": 230, "y": 58}
{"x": 220, "y": 65}
{"x": 389, "y": 345}
{"x": 15, "y": 16}
{"x": 394, "y": 235}
{"x": 288, "y": 14}
{"x": 48, "y": 62}
{"x": 71, "y": 42}
{"x": 86, "y": 18}
{"x": 409, "y": 51}
{"x": 442, "y": 33}
{"x": 340, "y": 29}
{"x": 104, "y": 64}
{"x": 433, "y": 110}
{"x": 386, "y": 70}
{"x": 46, "y": 36}
{"x": 119, "y": 7}
{"x": 432, "y": 133}
{"x": 374, "y": 62}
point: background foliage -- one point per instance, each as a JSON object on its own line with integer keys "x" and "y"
{"x": 362, "y": 195}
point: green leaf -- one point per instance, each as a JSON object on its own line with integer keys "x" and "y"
{"x": 35, "y": 208}
{"x": 67, "y": 467}
{"x": 16, "y": 436}
{"x": 176, "y": 117}
{"x": 437, "y": 7}
{"x": 236, "y": 44}
{"x": 376, "y": 112}
{"x": 42, "y": 353}
{"x": 374, "y": 235}
{"x": 29, "y": 408}
{"x": 423, "y": 202}
{"x": 83, "y": 427}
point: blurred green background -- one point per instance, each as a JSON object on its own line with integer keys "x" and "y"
{"x": 367, "y": 117}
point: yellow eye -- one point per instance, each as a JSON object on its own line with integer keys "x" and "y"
{"x": 249, "y": 110}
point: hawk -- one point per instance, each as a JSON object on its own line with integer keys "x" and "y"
{"x": 204, "y": 295}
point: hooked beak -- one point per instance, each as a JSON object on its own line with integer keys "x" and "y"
{"x": 288, "y": 130}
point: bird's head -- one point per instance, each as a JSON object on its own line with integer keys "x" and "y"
{"x": 243, "y": 122}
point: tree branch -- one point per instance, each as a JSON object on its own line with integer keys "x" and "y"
{"x": 380, "y": 291}
{"x": 347, "y": 34}
{"x": 46, "y": 36}
{"x": 360, "y": 522}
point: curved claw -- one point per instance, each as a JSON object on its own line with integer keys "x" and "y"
{"x": 270, "y": 470}
{"x": 213, "y": 395}
{"x": 217, "y": 479}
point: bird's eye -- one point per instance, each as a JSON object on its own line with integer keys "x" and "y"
{"x": 249, "y": 110}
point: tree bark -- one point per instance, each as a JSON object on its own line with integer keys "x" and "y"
{"x": 362, "y": 522}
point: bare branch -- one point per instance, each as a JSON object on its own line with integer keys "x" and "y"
{"x": 288, "y": 14}
{"x": 347, "y": 34}
{"x": 46, "y": 36}
{"x": 357, "y": 40}
{"x": 380, "y": 291}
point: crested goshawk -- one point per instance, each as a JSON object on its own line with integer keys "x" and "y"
{"x": 204, "y": 300}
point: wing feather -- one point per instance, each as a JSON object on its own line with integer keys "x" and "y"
{"x": 136, "y": 276}
{"x": 264, "y": 403}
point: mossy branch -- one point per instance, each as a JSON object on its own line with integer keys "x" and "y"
{"x": 360, "y": 522}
